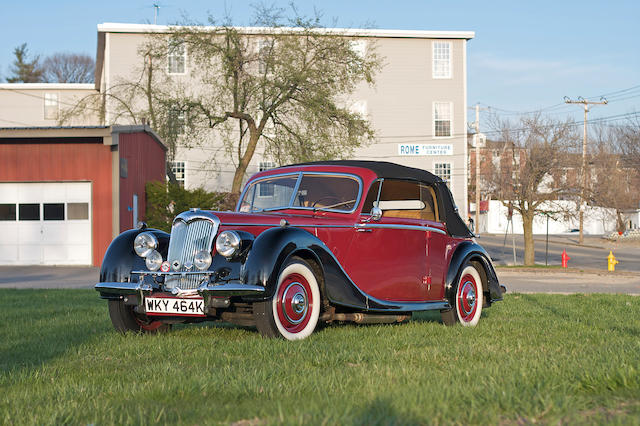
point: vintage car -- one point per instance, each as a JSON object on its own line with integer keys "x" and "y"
{"x": 308, "y": 244}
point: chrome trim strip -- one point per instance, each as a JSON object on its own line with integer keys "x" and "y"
{"x": 398, "y": 226}
{"x": 195, "y": 214}
{"x": 356, "y": 226}
{"x": 230, "y": 289}
{"x": 158, "y": 273}
{"x": 297, "y": 186}
{"x": 119, "y": 288}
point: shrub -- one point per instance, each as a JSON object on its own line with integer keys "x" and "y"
{"x": 166, "y": 200}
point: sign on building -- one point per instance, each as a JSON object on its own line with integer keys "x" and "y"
{"x": 425, "y": 149}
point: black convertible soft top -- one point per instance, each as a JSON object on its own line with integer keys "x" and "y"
{"x": 387, "y": 170}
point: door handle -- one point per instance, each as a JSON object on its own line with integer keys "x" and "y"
{"x": 363, "y": 229}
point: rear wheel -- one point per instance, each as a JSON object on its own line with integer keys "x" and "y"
{"x": 466, "y": 307}
{"x": 293, "y": 311}
{"x": 125, "y": 319}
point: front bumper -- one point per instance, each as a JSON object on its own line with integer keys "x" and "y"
{"x": 207, "y": 288}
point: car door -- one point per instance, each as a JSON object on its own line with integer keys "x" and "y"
{"x": 388, "y": 257}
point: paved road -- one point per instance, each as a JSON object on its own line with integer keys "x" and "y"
{"x": 566, "y": 282}
{"x": 520, "y": 281}
{"x": 48, "y": 276}
{"x": 591, "y": 255}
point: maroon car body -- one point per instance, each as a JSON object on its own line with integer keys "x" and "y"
{"x": 361, "y": 241}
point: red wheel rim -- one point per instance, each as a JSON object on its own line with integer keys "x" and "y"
{"x": 467, "y": 297}
{"x": 294, "y": 303}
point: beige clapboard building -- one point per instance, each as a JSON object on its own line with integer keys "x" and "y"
{"x": 417, "y": 106}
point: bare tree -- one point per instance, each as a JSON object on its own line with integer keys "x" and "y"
{"x": 280, "y": 88}
{"x": 627, "y": 137}
{"x": 533, "y": 169}
{"x": 68, "y": 68}
{"x": 23, "y": 69}
{"x": 615, "y": 178}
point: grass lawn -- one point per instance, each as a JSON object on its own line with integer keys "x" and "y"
{"x": 532, "y": 359}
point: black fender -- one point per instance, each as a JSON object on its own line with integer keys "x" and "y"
{"x": 468, "y": 251}
{"x": 269, "y": 252}
{"x": 120, "y": 258}
{"x": 274, "y": 247}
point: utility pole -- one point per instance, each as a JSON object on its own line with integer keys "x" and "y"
{"x": 586, "y": 104}
{"x": 476, "y": 124}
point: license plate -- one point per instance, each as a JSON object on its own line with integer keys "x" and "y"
{"x": 175, "y": 306}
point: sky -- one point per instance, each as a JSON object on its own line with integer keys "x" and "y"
{"x": 526, "y": 56}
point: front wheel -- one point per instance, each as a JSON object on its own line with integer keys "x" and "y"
{"x": 125, "y": 319}
{"x": 293, "y": 311}
{"x": 467, "y": 306}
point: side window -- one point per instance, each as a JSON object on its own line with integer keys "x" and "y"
{"x": 407, "y": 199}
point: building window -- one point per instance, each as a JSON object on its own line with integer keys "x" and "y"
{"x": 51, "y": 106}
{"x": 176, "y": 57}
{"x": 443, "y": 171}
{"x": 53, "y": 211}
{"x": 266, "y": 165}
{"x": 179, "y": 171}
{"x": 176, "y": 123}
{"x": 264, "y": 51}
{"x": 7, "y": 212}
{"x": 77, "y": 211}
{"x": 441, "y": 59}
{"x": 442, "y": 119}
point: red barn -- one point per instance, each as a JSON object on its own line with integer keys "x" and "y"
{"x": 65, "y": 192}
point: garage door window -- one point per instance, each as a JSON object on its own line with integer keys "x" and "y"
{"x": 54, "y": 211}
{"x": 7, "y": 212}
{"x": 78, "y": 211}
{"x": 29, "y": 211}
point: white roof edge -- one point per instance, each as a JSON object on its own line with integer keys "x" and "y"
{"x": 112, "y": 27}
{"x": 48, "y": 86}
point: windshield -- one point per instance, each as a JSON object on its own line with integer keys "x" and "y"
{"x": 314, "y": 192}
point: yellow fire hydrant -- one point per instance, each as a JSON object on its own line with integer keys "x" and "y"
{"x": 611, "y": 262}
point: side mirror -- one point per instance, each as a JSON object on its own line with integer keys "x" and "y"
{"x": 376, "y": 213}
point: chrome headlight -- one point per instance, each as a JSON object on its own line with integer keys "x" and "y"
{"x": 202, "y": 260}
{"x": 153, "y": 260}
{"x": 145, "y": 243}
{"x": 228, "y": 243}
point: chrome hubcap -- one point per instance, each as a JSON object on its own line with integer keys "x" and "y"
{"x": 298, "y": 303}
{"x": 295, "y": 303}
{"x": 468, "y": 297}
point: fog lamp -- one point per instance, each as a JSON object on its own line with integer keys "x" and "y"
{"x": 153, "y": 260}
{"x": 202, "y": 260}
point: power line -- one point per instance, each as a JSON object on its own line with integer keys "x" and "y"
{"x": 585, "y": 103}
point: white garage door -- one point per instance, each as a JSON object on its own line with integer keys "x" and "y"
{"x": 45, "y": 223}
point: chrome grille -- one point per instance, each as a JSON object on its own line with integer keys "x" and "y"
{"x": 192, "y": 232}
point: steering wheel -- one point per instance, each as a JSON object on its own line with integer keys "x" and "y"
{"x": 327, "y": 198}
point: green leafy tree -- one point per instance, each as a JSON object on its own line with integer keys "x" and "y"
{"x": 23, "y": 69}
{"x": 280, "y": 88}
{"x": 165, "y": 200}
